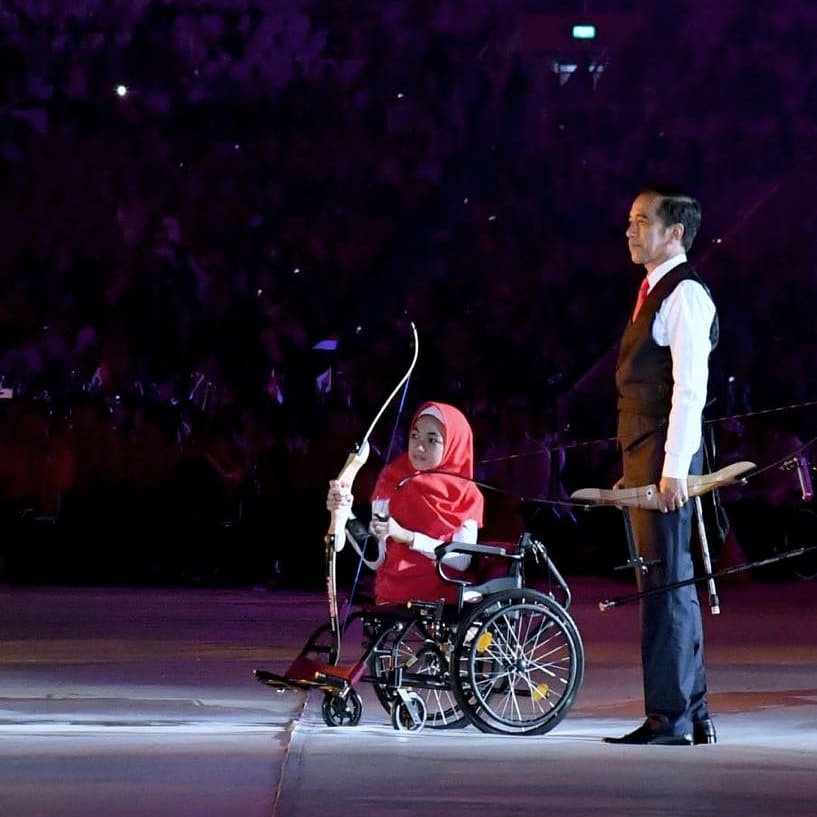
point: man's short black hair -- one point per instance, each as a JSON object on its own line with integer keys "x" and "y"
{"x": 677, "y": 207}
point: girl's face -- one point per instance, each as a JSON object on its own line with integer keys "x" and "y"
{"x": 426, "y": 443}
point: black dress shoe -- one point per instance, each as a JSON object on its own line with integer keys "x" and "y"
{"x": 647, "y": 735}
{"x": 704, "y": 732}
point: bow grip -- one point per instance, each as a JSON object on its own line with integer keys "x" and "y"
{"x": 340, "y": 516}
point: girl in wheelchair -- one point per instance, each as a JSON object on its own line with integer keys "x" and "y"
{"x": 510, "y": 664}
{"x": 424, "y": 497}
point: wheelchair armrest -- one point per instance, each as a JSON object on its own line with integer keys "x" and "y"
{"x": 467, "y": 579}
{"x": 474, "y": 549}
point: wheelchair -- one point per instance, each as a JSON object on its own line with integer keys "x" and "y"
{"x": 506, "y": 658}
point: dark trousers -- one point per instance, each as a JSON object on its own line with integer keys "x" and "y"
{"x": 671, "y": 627}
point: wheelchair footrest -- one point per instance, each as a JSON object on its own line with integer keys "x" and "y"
{"x": 272, "y": 679}
{"x": 304, "y": 673}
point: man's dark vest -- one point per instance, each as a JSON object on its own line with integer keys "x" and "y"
{"x": 644, "y": 369}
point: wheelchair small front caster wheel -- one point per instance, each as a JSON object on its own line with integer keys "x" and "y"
{"x": 340, "y": 710}
{"x": 408, "y": 714}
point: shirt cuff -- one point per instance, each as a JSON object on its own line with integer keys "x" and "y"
{"x": 676, "y": 466}
{"x": 425, "y": 544}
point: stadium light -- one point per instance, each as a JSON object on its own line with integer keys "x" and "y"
{"x": 584, "y": 31}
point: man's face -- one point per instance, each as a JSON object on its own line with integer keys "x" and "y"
{"x": 650, "y": 242}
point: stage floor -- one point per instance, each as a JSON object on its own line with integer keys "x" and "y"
{"x": 140, "y": 703}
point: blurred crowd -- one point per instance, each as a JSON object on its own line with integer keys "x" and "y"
{"x": 219, "y": 220}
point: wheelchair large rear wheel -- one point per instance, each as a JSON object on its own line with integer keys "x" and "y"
{"x": 519, "y": 663}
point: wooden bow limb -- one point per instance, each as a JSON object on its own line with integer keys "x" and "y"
{"x": 336, "y": 534}
{"x": 646, "y": 496}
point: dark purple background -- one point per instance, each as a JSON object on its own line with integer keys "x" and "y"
{"x": 277, "y": 176}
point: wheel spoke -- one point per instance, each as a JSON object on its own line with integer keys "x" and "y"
{"x": 521, "y": 664}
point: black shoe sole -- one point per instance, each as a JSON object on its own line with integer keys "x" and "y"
{"x": 657, "y": 740}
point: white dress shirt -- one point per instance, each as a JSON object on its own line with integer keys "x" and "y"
{"x": 683, "y": 322}
{"x": 467, "y": 534}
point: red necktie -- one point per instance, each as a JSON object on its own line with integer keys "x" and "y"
{"x": 642, "y": 296}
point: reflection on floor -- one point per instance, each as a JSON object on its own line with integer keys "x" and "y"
{"x": 135, "y": 702}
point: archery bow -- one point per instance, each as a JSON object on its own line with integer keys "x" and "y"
{"x": 336, "y": 534}
{"x": 646, "y": 496}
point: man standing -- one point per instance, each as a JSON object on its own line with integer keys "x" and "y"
{"x": 661, "y": 378}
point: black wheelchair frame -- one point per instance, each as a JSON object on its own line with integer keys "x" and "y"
{"x": 509, "y": 662}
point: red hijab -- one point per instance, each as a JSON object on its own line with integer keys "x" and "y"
{"x": 436, "y": 503}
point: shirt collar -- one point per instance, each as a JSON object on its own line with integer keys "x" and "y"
{"x": 667, "y": 266}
